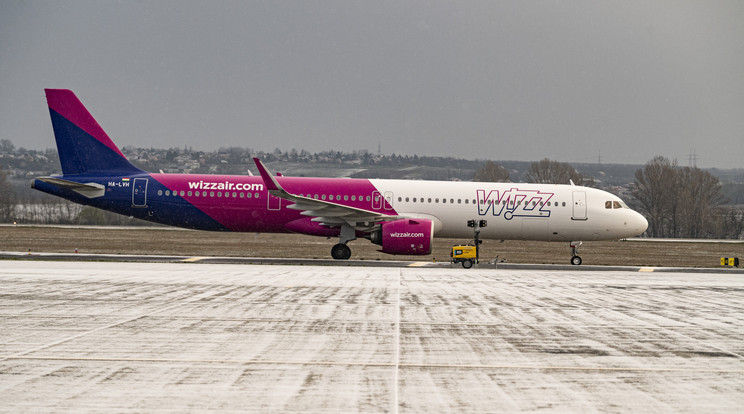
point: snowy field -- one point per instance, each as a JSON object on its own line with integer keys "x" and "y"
{"x": 157, "y": 337}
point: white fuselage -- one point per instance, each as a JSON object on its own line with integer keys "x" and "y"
{"x": 518, "y": 211}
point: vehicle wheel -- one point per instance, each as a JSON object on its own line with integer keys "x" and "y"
{"x": 341, "y": 252}
{"x": 467, "y": 263}
{"x": 576, "y": 260}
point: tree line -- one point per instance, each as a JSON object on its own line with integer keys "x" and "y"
{"x": 684, "y": 202}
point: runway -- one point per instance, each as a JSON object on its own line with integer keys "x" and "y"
{"x": 174, "y": 337}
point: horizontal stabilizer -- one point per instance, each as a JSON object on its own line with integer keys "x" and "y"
{"x": 89, "y": 190}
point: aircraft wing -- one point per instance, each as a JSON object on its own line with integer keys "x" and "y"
{"x": 90, "y": 190}
{"x": 326, "y": 213}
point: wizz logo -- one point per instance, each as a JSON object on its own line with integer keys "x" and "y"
{"x": 514, "y": 203}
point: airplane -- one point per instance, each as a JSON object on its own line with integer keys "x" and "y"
{"x": 401, "y": 216}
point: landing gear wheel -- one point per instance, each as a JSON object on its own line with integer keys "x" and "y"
{"x": 340, "y": 252}
{"x": 467, "y": 263}
{"x": 576, "y": 260}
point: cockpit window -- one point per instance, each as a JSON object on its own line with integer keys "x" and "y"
{"x": 614, "y": 205}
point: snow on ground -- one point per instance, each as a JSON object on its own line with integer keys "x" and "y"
{"x": 159, "y": 337}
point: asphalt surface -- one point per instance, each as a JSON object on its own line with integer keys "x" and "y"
{"x": 484, "y": 264}
{"x": 177, "y": 337}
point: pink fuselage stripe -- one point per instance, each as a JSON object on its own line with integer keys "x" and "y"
{"x": 254, "y": 213}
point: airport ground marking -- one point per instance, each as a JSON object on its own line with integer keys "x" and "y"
{"x": 397, "y": 344}
{"x": 377, "y": 364}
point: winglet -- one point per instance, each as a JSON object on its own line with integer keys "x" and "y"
{"x": 269, "y": 180}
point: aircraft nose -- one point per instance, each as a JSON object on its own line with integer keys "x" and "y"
{"x": 638, "y": 223}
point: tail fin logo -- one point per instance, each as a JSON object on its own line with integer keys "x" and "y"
{"x": 84, "y": 147}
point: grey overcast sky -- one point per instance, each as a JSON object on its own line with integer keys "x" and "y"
{"x": 501, "y": 80}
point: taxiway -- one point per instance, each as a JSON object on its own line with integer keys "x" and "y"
{"x": 173, "y": 337}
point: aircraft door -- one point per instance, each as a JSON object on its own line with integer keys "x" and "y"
{"x": 139, "y": 192}
{"x": 376, "y": 201}
{"x": 579, "y": 205}
{"x": 389, "y": 200}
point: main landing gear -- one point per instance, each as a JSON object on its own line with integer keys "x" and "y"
{"x": 575, "y": 259}
{"x": 341, "y": 251}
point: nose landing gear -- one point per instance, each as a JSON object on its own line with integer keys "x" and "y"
{"x": 575, "y": 259}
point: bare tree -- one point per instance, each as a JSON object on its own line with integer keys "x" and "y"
{"x": 8, "y": 199}
{"x": 491, "y": 172}
{"x": 679, "y": 202}
{"x": 730, "y": 223}
{"x": 554, "y": 172}
{"x": 654, "y": 188}
{"x": 700, "y": 198}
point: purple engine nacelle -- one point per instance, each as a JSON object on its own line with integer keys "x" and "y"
{"x": 405, "y": 236}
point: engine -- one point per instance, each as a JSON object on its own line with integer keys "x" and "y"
{"x": 405, "y": 236}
